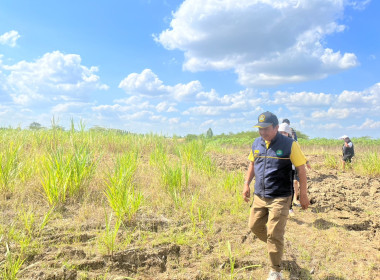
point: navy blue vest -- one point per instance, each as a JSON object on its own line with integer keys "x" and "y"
{"x": 347, "y": 151}
{"x": 273, "y": 168}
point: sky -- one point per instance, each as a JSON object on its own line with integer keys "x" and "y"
{"x": 181, "y": 67}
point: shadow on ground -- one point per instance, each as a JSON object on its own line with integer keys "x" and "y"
{"x": 333, "y": 277}
{"x": 296, "y": 272}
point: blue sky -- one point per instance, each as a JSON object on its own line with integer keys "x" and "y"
{"x": 181, "y": 67}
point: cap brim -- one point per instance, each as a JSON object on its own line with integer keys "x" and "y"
{"x": 262, "y": 125}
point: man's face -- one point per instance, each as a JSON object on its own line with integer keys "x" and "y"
{"x": 268, "y": 133}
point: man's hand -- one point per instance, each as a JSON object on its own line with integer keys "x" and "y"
{"x": 246, "y": 193}
{"x": 248, "y": 179}
{"x": 308, "y": 165}
{"x": 305, "y": 202}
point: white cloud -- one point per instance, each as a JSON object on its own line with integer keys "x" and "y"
{"x": 9, "y": 38}
{"x": 205, "y": 110}
{"x": 158, "y": 118}
{"x": 328, "y": 126}
{"x": 130, "y": 100}
{"x": 331, "y": 59}
{"x": 302, "y": 99}
{"x": 270, "y": 42}
{"x": 166, "y": 107}
{"x": 182, "y": 91}
{"x": 187, "y": 108}
{"x": 332, "y": 113}
{"x": 359, "y": 5}
{"x": 174, "y": 120}
{"x": 370, "y": 124}
{"x": 366, "y": 99}
{"x": 172, "y": 109}
{"x": 115, "y": 107}
{"x": 140, "y": 116}
{"x": 72, "y": 107}
{"x": 146, "y": 83}
{"x": 207, "y": 123}
{"x": 5, "y": 110}
{"x": 54, "y": 74}
{"x": 125, "y": 108}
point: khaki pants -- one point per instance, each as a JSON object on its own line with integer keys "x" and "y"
{"x": 267, "y": 221}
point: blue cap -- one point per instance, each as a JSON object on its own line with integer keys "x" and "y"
{"x": 266, "y": 119}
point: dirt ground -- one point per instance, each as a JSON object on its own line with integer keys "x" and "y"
{"x": 337, "y": 238}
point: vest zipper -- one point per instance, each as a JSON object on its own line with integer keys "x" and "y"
{"x": 265, "y": 164}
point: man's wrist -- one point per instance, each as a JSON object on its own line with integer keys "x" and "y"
{"x": 246, "y": 182}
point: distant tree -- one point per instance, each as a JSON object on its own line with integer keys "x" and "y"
{"x": 302, "y": 135}
{"x": 119, "y": 131}
{"x": 35, "y": 126}
{"x": 209, "y": 133}
{"x": 98, "y": 128}
{"x": 190, "y": 137}
{"x": 57, "y": 127}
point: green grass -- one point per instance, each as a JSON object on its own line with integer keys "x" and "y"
{"x": 330, "y": 161}
{"x": 9, "y": 166}
{"x": 108, "y": 237}
{"x": 122, "y": 195}
{"x": 11, "y": 265}
{"x": 369, "y": 164}
{"x": 175, "y": 180}
{"x": 155, "y": 191}
{"x": 56, "y": 175}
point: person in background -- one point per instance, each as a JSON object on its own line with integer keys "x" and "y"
{"x": 347, "y": 151}
{"x": 294, "y": 133}
{"x": 296, "y": 180}
{"x": 271, "y": 159}
{"x": 285, "y": 130}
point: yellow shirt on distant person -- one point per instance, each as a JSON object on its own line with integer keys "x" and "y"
{"x": 296, "y": 155}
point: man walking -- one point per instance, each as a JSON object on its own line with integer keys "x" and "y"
{"x": 271, "y": 160}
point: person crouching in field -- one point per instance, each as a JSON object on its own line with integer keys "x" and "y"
{"x": 271, "y": 159}
{"x": 347, "y": 150}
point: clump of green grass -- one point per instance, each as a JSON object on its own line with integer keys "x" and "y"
{"x": 11, "y": 265}
{"x": 231, "y": 181}
{"x": 158, "y": 156}
{"x": 369, "y": 163}
{"x": 195, "y": 153}
{"x": 232, "y": 263}
{"x": 175, "y": 180}
{"x": 202, "y": 216}
{"x": 108, "y": 237}
{"x": 66, "y": 175}
{"x": 121, "y": 192}
{"x": 82, "y": 167}
{"x": 330, "y": 161}
{"x": 28, "y": 218}
{"x": 55, "y": 177}
{"x": 9, "y": 166}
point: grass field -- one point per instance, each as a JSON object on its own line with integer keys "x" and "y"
{"x": 108, "y": 204}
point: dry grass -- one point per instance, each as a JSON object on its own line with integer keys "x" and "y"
{"x": 204, "y": 237}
